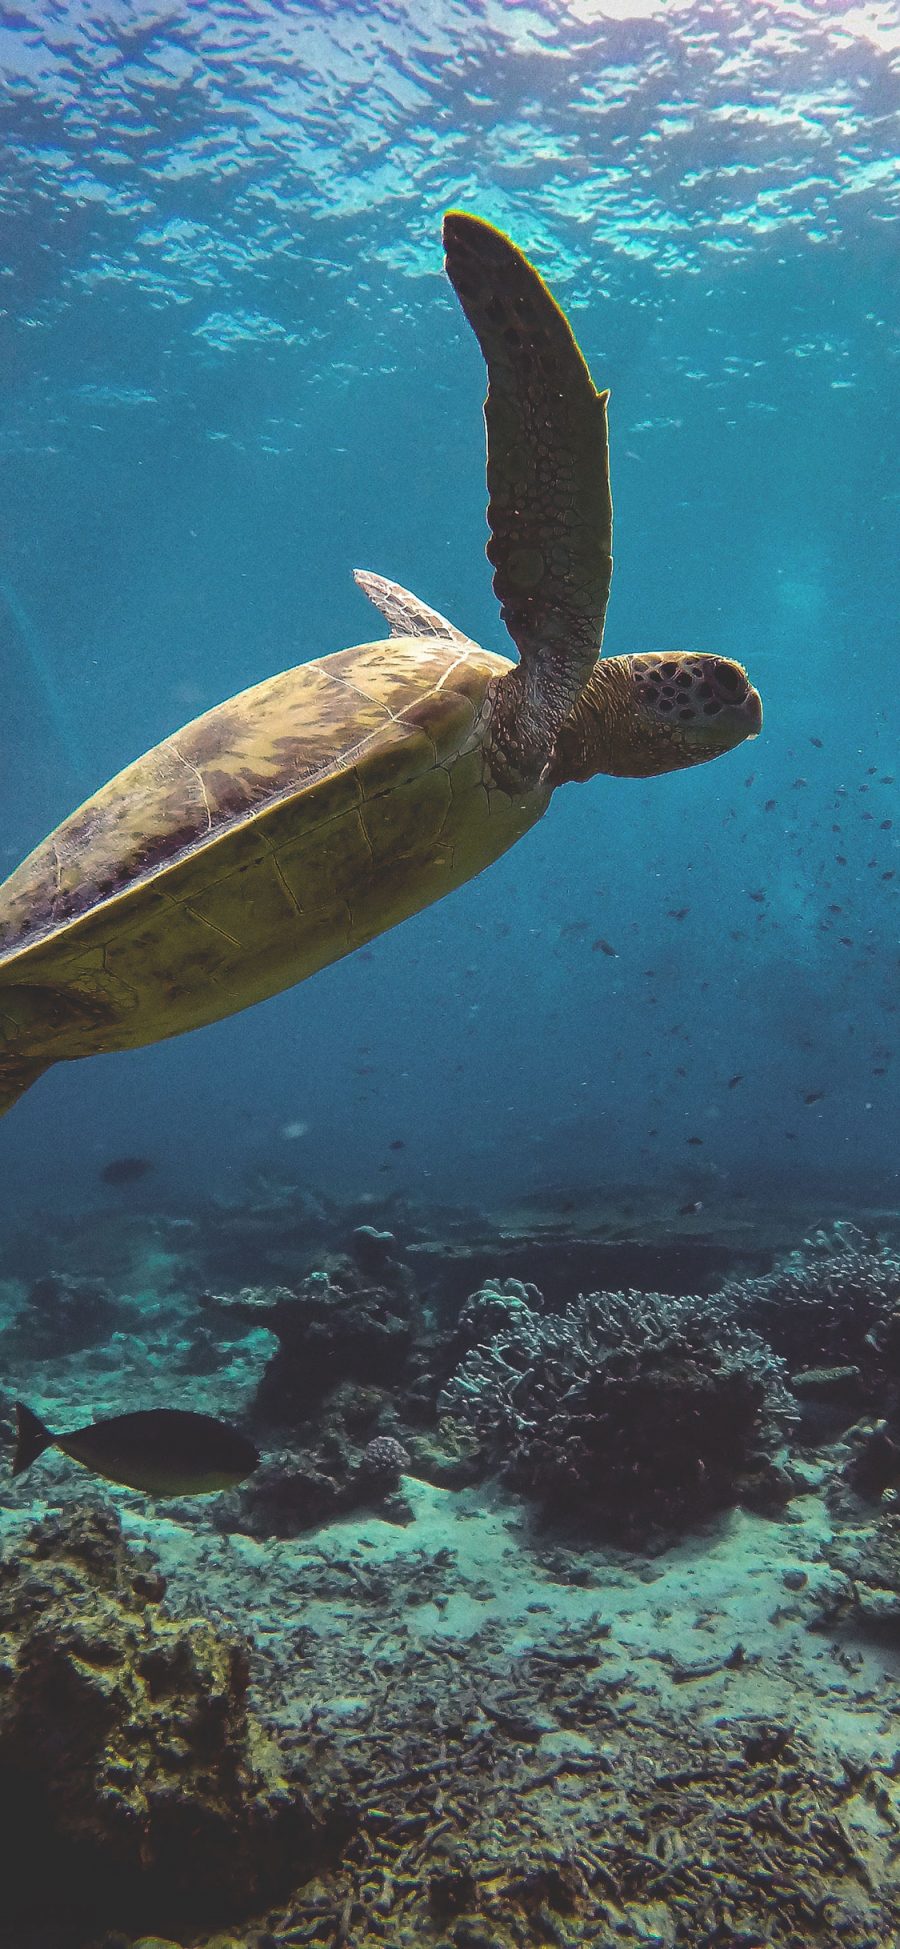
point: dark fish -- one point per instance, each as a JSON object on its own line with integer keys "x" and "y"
{"x": 770, "y": 805}
{"x": 688, "y": 1210}
{"x": 162, "y": 1451}
{"x": 817, "y": 742}
{"x": 603, "y": 947}
{"x": 758, "y": 896}
{"x": 695, "y": 1140}
{"x": 126, "y": 1170}
{"x": 399, "y": 1143}
{"x": 677, "y": 913}
{"x": 733, "y": 1081}
{"x": 813, "y": 1096}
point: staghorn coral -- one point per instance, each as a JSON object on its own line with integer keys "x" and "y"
{"x": 632, "y": 1410}
{"x": 130, "y": 1764}
{"x": 834, "y": 1303}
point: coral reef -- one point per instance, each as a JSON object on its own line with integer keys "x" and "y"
{"x": 383, "y": 1461}
{"x": 131, "y": 1768}
{"x": 498, "y": 1304}
{"x": 336, "y": 1326}
{"x": 630, "y": 1410}
{"x": 61, "y": 1315}
{"x": 834, "y": 1304}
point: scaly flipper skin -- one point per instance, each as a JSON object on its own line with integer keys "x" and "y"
{"x": 550, "y": 511}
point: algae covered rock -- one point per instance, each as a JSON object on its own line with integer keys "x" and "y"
{"x": 131, "y": 1766}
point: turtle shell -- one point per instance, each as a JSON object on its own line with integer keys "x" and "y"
{"x": 268, "y": 838}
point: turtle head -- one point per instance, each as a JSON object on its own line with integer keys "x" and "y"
{"x": 640, "y": 715}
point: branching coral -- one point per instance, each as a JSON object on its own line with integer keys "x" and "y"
{"x": 631, "y": 1409}
{"x": 833, "y": 1302}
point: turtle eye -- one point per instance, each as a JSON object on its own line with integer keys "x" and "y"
{"x": 729, "y": 679}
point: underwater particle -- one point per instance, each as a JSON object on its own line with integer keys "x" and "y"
{"x": 126, "y": 1170}
{"x": 298, "y": 1128}
{"x": 604, "y": 947}
{"x": 159, "y": 1451}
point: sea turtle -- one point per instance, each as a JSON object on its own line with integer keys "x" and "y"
{"x": 287, "y": 827}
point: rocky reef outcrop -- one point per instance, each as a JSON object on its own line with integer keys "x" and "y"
{"x": 137, "y": 1788}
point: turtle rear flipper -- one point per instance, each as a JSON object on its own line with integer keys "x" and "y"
{"x": 404, "y": 611}
{"x": 17, "y": 1073}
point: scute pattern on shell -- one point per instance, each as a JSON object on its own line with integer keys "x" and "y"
{"x": 315, "y": 723}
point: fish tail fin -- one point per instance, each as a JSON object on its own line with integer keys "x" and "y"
{"x": 17, "y": 1073}
{"x": 31, "y": 1438}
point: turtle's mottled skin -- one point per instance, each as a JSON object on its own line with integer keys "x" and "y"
{"x": 295, "y": 822}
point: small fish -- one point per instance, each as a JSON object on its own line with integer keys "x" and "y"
{"x": 695, "y": 1140}
{"x": 817, "y": 742}
{"x": 398, "y": 1143}
{"x": 759, "y": 896}
{"x": 770, "y": 805}
{"x": 603, "y": 947}
{"x": 161, "y": 1451}
{"x": 677, "y": 913}
{"x": 126, "y": 1170}
{"x": 813, "y": 1096}
{"x": 733, "y": 1081}
{"x": 689, "y": 1210}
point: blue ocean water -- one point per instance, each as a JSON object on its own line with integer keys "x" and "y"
{"x": 231, "y": 370}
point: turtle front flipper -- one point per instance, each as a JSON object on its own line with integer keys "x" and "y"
{"x": 550, "y": 510}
